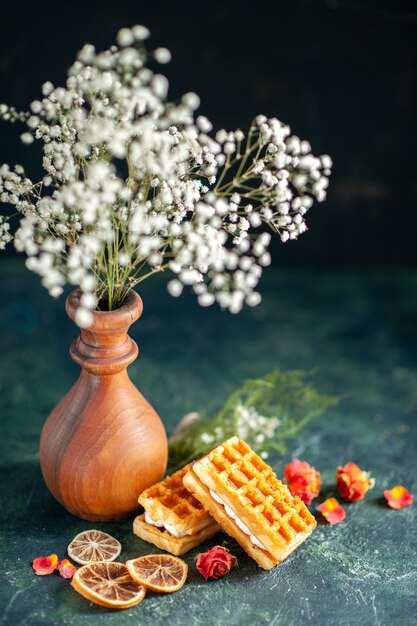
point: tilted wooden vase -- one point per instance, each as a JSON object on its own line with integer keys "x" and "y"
{"x": 104, "y": 443}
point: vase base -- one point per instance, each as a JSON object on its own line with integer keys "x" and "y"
{"x": 102, "y": 518}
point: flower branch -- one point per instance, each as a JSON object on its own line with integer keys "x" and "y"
{"x": 135, "y": 184}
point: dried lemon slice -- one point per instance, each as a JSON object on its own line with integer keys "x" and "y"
{"x": 94, "y": 545}
{"x": 159, "y": 572}
{"x": 108, "y": 584}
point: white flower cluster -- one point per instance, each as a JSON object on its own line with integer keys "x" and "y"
{"x": 5, "y": 235}
{"x": 250, "y": 425}
{"x": 217, "y": 435}
{"x": 135, "y": 184}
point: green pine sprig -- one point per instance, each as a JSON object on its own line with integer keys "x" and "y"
{"x": 266, "y": 412}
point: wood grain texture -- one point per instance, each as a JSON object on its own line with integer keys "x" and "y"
{"x": 104, "y": 443}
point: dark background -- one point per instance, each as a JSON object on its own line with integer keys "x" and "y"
{"x": 341, "y": 73}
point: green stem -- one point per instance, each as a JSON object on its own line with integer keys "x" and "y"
{"x": 151, "y": 273}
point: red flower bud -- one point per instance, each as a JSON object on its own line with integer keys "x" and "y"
{"x": 352, "y": 482}
{"x": 215, "y": 563}
{"x": 303, "y": 480}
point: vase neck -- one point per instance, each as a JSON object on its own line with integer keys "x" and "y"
{"x": 104, "y": 347}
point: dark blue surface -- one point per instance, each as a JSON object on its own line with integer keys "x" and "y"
{"x": 359, "y": 329}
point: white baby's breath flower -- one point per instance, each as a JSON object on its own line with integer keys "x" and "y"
{"x": 125, "y": 37}
{"x": 83, "y": 317}
{"x": 204, "y": 124}
{"x": 47, "y": 88}
{"x": 88, "y": 300}
{"x": 191, "y": 100}
{"x": 253, "y": 299}
{"x": 206, "y": 299}
{"x": 36, "y": 106}
{"x": 162, "y": 55}
{"x": 326, "y": 161}
{"x": 175, "y": 288}
{"x": 88, "y": 283}
{"x": 27, "y": 138}
{"x": 123, "y": 259}
{"x": 140, "y": 32}
{"x": 56, "y": 291}
{"x": 160, "y": 86}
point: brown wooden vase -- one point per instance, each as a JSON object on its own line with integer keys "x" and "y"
{"x": 104, "y": 443}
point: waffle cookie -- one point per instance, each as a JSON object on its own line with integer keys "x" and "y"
{"x": 173, "y": 520}
{"x": 245, "y": 497}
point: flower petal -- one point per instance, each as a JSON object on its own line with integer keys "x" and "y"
{"x": 66, "y": 569}
{"x": 398, "y": 497}
{"x": 45, "y": 565}
{"x": 332, "y": 511}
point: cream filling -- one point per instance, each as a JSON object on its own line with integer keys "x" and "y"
{"x": 237, "y": 521}
{"x": 171, "y": 529}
